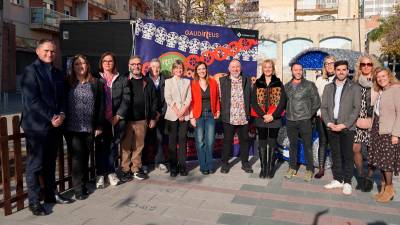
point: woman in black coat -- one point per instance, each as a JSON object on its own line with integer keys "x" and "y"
{"x": 268, "y": 102}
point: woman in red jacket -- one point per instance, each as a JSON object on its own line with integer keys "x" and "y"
{"x": 205, "y": 109}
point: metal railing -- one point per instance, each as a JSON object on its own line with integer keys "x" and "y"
{"x": 105, "y": 4}
{"x": 315, "y": 6}
{"x": 48, "y": 17}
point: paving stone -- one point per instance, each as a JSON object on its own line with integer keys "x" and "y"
{"x": 233, "y": 219}
{"x": 170, "y": 200}
{"x": 200, "y": 215}
{"x": 222, "y": 206}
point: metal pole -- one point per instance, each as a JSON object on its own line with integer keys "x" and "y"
{"x": 153, "y": 10}
{"x": 1, "y": 46}
{"x": 359, "y": 25}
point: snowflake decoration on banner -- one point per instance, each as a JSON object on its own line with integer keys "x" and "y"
{"x": 245, "y": 56}
{"x": 172, "y": 39}
{"x": 149, "y": 30}
{"x": 183, "y": 43}
{"x": 204, "y": 46}
{"x": 161, "y": 35}
{"x": 139, "y": 26}
{"x": 253, "y": 53}
{"x": 194, "y": 46}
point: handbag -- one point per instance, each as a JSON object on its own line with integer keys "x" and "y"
{"x": 364, "y": 123}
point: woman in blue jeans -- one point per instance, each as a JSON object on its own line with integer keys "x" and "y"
{"x": 205, "y": 108}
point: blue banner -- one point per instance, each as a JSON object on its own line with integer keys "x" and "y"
{"x": 192, "y": 43}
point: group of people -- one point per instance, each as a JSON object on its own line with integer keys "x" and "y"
{"x": 109, "y": 110}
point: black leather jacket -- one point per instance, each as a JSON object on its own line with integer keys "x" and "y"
{"x": 303, "y": 101}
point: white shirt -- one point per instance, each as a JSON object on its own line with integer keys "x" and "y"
{"x": 378, "y": 103}
{"x": 338, "y": 94}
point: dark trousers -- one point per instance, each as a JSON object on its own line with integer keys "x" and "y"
{"x": 243, "y": 132}
{"x": 267, "y": 135}
{"x": 156, "y": 137}
{"x": 79, "y": 145}
{"x": 41, "y": 161}
{"x": 323, "y": 140}
{"x": 107, "y": 146}
{"x": 177, "y": 130}
{"x": 342, "y": 154}
{"x": 304, "y": 129}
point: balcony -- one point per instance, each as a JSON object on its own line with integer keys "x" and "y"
{"x": 307, "y": 8}
{"x": 47, "y": 19}
{"x": 105, "y": 5}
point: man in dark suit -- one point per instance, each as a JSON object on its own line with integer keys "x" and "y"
{"x": 42, "y": 115}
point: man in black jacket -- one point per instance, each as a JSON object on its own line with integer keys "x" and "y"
{"x": 42, "y": 88}
{"x": 302, "y": 103}
{"x": 235, "y": 114}
{"x": 156, "y": 136}
{"x": 142, "y": 114}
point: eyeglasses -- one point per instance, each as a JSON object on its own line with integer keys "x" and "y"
{"x": 329, "y": 63}
{"x": 108, "y": 61}
{"x": 135, "y": 64}
{"x": 366, "y": 64}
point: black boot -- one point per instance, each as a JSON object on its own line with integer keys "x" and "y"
{"x": 360, "y": 183}
{"x": 270, "y": 160}
{"x": 321, "y": 160}
{"x": 262, "y": 153}
{"x": 368, "y": 184}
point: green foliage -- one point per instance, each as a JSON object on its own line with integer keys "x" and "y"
{"x": 388, "y": 33}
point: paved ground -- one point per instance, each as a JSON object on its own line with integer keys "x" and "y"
{"x": 236, "y": 198}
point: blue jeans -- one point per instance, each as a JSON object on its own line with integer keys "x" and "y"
{"x": 205, "y": 137}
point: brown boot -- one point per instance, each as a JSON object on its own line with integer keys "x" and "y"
{"x": 376, "y": 196}
{"x": 387, "y": 195}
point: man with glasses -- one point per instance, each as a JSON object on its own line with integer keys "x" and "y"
{"x": 142, "y": 114}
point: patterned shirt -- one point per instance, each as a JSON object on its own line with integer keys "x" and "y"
{"x": 237, "y": 113}
{"x": 80, "y": 108}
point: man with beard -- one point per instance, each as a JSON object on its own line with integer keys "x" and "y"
{"x": 235, "y": 114}
{"x": 302, "y": 104}
{"x": 341, "y": 104}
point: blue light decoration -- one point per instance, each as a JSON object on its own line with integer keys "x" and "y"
{"x": 312, "y": 60}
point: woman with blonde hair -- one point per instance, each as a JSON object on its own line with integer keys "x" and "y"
{"x": 384, "y": 153}
{"x": 268, "y": 101}
{"x": 364, "y": 67}
{"x": 178, "y": 97}
{"x": 328, "y": 74}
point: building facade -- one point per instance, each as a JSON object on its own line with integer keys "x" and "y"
{"x": 287, "y": 27}
{"x": 27, "y": 21}
{"x": 381, "y": 8}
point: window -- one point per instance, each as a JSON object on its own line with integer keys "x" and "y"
{"x": 49, "y": 4}
{"x": 17, "y": 2}
{"x": 67, "y": 10}
{"x": 326, "y": 17}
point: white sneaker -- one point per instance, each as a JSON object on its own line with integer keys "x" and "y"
{"x": 346, "y": 189}
{"x": 162, "y": 166}
{"x": 333, "y": 184}
{"x": 113, "y": 179}
{"x": 100, "y": 182}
